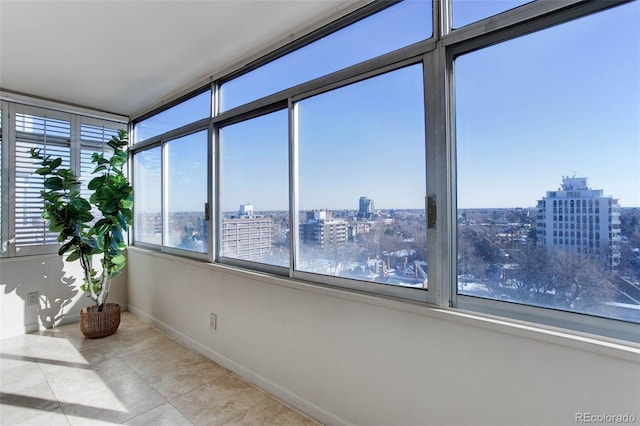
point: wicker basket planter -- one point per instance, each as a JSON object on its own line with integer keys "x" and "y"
{"x": 94, "y": 324}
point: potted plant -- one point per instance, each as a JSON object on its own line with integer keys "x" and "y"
{"x": 81, "y": 235}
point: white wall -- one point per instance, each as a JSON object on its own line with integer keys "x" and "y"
{"x": 57, "y": 283}
{"x": 346, "y": 358}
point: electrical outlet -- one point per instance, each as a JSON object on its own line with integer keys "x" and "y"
{"x": 213, "y": 321}
{"x": 33, "y": 298}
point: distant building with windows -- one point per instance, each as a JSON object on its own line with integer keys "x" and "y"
{"x": 580, "y": 219}
{"x": 322, "y": 230}
{"x": 366, "y": 208}
{"x": 247, "y": 236}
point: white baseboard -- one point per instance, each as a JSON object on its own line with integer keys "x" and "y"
{"x": 263, "y": 383}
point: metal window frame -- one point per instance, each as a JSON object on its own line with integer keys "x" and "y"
{"x": 161, "y": 142}
{"x": 394, "y": 61}
{"x": 219, "y": 256}
{"x": 437, "y": 56}
{"x": 526, "y": 19}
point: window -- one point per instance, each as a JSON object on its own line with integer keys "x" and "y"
{"x": 72, "y": 137}
{"x": 512, "y": 91}
{"x": 324, "y": 166}
{"x": 188, "y": 111}
{"x": 52, "y": 135}
{"x": 255, "y": 190}
{"x": 186, "y": 192}
{"x": 392, "y": 28}
{"x": 468, "y": 11}
{"x": 147, "y": 193}
{"x": 362, "y": 180}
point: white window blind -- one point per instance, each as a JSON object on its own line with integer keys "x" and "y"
{"x": 93, "y": 138}
{"x": 52, "y": 137}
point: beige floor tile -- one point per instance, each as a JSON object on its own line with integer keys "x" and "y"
{"x": 130, "y": 342}
{"x": 131, "y": 324}
{"x": 138, "y": 376}
{"x": 28, "y": 416}
{"x": 164, "y": 415}
{"x": 109, "y": 391}
{"x": 41, "y": 348}
{"x": 20, "y": 377}
{"x": 34, "y": 405}
{"x": 72, "y": 334}
{"x": 218, "y": 403}
{"x": 293, "y": 418}
{"x": 173, "y": 369}
{"x": 271, "y": 412}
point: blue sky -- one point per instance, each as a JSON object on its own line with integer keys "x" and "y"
{"x": 561, "y": 101}
{"x": 187, "y": 164}
{"x": 366, "y": 139}
{"x": 255, "y": 155}
{"x": 558, "y": 102}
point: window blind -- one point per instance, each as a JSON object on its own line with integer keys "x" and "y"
{"x": 52, "y": 137}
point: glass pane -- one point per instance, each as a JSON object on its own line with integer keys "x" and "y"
{"x": 390, "y": 29}
{"x": 465, "y": 12}
{"x": 184, "y": 113}
{"x": 548, "y": 143}
{"x": 255, "y": 190}
{"x": 362, "y": 181}
{"x": 186, "y": 195}
{"x": 147, "y": 196}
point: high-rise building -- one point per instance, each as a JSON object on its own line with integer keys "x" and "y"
{"x": 247, "y": 236}
{"x": 366, "y": 208}
{"x": 320, "y": 229}
{"x": 580, "y": 219}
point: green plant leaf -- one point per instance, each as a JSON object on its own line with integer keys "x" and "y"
{"x": 116, "y": 268}
{"x": 35, "y": 153}
{"x": 53, "y": 183}
{"x": 55, "y": 163}
{"x": 95, "y": 183}
{"x": 65, "y": 247}
{"x": 75, "y": 255}
{"x": 81, "y": 204}
{"x": 125, "y": 204}
{"x": 100, "y": 168}
{"x": 119, "y": 259}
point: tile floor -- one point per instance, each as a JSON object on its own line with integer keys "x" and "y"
{"x": 138, "y": 376}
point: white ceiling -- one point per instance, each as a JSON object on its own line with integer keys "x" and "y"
{"x": 125, "y": 56}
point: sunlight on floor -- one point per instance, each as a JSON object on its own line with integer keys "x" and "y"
{"x": 138, "y": 376}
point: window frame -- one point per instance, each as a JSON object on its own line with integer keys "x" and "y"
{"x": 437, "y": 55}
{"x": 470, "y": 38}
{"x": 219, "y": 257}
{"x": 161, "y": 141}
{"x": 401, "y": 292}
{"x": 15, "y": 250}
{"x": 25, "y": 105}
